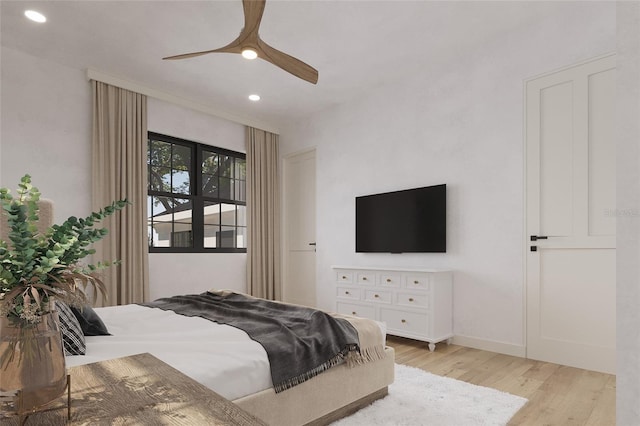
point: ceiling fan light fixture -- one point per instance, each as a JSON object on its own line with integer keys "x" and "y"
{"x": 254, "y": 98}
{"x": 249, "y": 53}
{"x": 35, "y": 16}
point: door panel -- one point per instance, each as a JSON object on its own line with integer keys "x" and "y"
{"x": 299, "y": 284}
{"x": 602, "y": 159}
{"x": 556, "y": 173}
{"x": 570, "y": 192}
{"x": 577, "y": 276}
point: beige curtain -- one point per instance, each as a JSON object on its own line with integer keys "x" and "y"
{"x": 263, "y": 215}
{"x": 119, "y": 163}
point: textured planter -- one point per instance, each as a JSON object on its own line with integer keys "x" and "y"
{"x": 32, "y": 364}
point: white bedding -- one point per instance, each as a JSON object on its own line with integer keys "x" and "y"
{"x": 197, "y": 347}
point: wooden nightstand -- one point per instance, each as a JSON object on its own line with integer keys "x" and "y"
{"x": 141, "y": 390}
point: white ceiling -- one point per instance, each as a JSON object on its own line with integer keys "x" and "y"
{"x": 355, "y": 45}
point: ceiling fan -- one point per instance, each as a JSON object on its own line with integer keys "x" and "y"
{"x": 250, "y": 45}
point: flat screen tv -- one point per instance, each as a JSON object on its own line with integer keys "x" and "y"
{"x": 409, "y": 221}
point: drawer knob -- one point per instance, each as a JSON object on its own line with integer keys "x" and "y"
{"x": 416, "y": 282}
{"x": 364, "y": 278}
{"x": 354, "y": 313}
{"x": 388, "y": 280}
{"x": 375, "y": 295}
{"x": 411, "y": 299}
{"x": 403, "y": 321}
{"x": 346, "y": 292}
{"x": 344, "y": 277}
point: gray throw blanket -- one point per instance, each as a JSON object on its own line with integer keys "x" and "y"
{"x": 300, "y": 342}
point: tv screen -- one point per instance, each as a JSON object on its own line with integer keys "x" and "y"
{"x": 409, "y": 221}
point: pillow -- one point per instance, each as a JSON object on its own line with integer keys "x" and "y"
{"x": 72, "y": 336}
{"x": 90, "y": 322}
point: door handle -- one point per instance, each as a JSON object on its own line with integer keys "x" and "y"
{"x": 538, "y": 237}
{"x": 312, "y": 244}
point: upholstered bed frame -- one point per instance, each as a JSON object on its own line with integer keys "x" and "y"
{"x": 203, "y": 354}
{"x": 336, "y": 393}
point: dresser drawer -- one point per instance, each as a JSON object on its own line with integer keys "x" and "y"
{"x": 415, "y": 300}
{"x": 408, "y": 322}
{"x": 344, "y": 276}
{"x": 366, "y": 278}
{"x": 352, "y": 293}
{"x": 417, "y": 281}
{"x": 378, "y": 296}
{"x": 356, "y": 310}
{"x": 390, "y": 280}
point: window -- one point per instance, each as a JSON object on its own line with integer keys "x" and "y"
{"x": 197, "y": 197}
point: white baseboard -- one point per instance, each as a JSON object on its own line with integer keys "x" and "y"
{"x": 490, "y": 345}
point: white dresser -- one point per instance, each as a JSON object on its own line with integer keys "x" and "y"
{"x": 414, "y": 303}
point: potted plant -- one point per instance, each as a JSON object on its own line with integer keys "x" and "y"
{"x": 37, "y": 269}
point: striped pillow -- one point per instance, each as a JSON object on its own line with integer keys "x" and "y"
{"x": 72, "y": 336}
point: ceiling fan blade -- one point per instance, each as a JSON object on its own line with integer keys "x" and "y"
{"x": 253, "y": 10}
{"x": 288, "y": 63}
{"x": 233, "y": 47}
{"x": 190, "y": 55}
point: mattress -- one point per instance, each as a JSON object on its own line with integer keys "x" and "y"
{"x": 197, "y": 347}
{"x": 220, "y": 357}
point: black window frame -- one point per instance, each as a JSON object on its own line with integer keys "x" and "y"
{"x": 196, "y": 195}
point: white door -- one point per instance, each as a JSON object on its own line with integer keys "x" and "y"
{"x": 299, "y": 227}
{"x": 570, "y": 203}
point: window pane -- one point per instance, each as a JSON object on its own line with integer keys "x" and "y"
{"x": 181, "y": 157}
{"x": 210, "y": 185}
{"x": 240, "y": 192}
{"x": 209, "y": 162}
{"x": 241, "y": 216}
{"x": 182, "y": 235}
{"x": 241, "y": 169}
{"x": 226, "y": 166}
{"x": 210, "y": 234}
{"x": 150, "y": 234}
{"x": 160, "y": 219}
{"x": 226, "y": 237}
{"x": 160, "y": 179}
{"x": 225, "y": 191}
{"x": 241, "y": 237}
{"x": 181, "y": 182}
{"x": 182, "y": 223}
{"x": 211, "y": 213}
{"x": 228, "y": 214}
{"x": 160, "y": 153}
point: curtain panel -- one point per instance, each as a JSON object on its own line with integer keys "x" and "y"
{"x": 119, "y": 167}
{"x": 263, "y": 214}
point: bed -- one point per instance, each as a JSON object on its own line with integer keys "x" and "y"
{"x": 225, "y": 359}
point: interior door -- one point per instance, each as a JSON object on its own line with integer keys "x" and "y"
{"x": 299, "y": 176}
{"x": 570, "y": 216}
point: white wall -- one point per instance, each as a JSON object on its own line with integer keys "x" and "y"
{"x": 46, "y": 132}
{"x": 460, "y": 125}
{"x": 628, "y": 224}
{"x": 187, "y": 273}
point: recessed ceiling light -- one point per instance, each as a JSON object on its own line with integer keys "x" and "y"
{"x": 35, "y": 16}
{"x": 249, "y": 54}
{"x": 254, "y": 98}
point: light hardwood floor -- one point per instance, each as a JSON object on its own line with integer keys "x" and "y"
{"x": 557, "y": 394}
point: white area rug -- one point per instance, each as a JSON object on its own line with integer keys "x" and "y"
{"x": 420, "y": 398}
